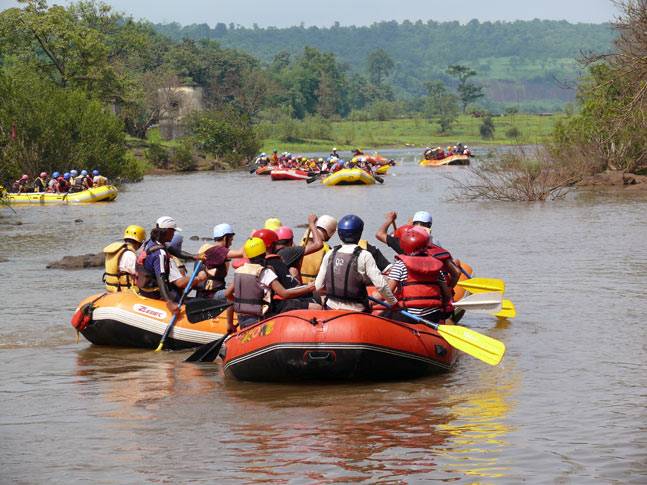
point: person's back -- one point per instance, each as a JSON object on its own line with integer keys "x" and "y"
{"x": 417, "y": 279}
{"x": 40, "y": 184}
{"x": 120, "y": 260}
{"x": 348, "y": 269}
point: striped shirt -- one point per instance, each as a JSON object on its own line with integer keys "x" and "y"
{"x": 399, "y": 273}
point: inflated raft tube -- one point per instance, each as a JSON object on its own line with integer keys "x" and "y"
{"x": 289, "y": 174}
{"x": 349, "y": 176}
{"x": 126, "y": 319}
{"x": 335, "y": 345}
{"x": 95, "y": 194}
{"x": 451, "y": 160}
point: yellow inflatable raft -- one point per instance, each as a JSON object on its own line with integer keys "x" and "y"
{"x": 349, "y": 176}
{"x": 95, "y": 194}
{"x": 450, "y": 160}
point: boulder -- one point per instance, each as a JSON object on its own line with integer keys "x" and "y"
{"x": 79, "y": 262}
{"x": 612, "y": 179}
{"x": 3, "y": 260}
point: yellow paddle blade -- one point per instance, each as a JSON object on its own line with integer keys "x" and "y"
{"x": 480, "y": 346}
{"x": 507, "y": 310}
{"x": 483, "y": 285}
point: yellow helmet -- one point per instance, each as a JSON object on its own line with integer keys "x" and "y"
{"x": 253, "y": 247}
{"x": 273, "y": 223}
{"x": 136, "y": 233}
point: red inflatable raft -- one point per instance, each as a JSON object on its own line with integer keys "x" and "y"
{"x": 325, "y": 345}
{"x": 289, "y": 174}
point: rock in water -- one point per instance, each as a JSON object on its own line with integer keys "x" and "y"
{"x": 79, "y": 262}
{"x": 195, "y": 238}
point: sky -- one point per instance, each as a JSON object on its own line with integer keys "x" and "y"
{"x": 323, "y": 13}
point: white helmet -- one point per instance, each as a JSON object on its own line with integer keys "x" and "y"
{"x": 422, "y": 216}
{"x": 222, "y": 230}
{"x": 166, "y": 222}
{"x": 328, "y": 224}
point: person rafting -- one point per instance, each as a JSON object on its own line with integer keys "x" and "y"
{"x": 53, "y": 181}
{"x": 293, "y": 255}
{"x": 417, "y": 280}
{"x": 120, "y": 260}
{"x": 21, "y": 185}
{"x": 423, "y": 220}
{"x": 98, "y": 180}
{"x": 326, "y": 226}
{"x": 284, "y": 276}
{"x": 153, "y": 263}
{"x": 40, "y": 184}
{"x": 334, "y": 154}
{"x": 216, "y": 257}
{"x": 254, "y": 285}
{"x": 348, "y": 269}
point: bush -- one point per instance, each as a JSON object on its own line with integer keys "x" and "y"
{"x": 226, "y": 134}
{"x": 56, "y": 129}
{"x": 487, "y": 128}
{"x": 134, "y": 169}
{"x": 513, "y": 133}
{"x": 182, "y": 158}
{"x": 157, "y": 155}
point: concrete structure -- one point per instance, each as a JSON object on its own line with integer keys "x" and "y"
{"x": 179, "y": 102}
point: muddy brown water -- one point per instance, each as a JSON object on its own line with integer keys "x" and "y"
{"x": 567, "y": 404}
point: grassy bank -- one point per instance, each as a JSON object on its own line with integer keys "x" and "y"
{"x": 344, "y": 135}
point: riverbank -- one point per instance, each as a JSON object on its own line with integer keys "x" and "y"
{"x": 368, "y": 135}
{"x": 346, "y": 135}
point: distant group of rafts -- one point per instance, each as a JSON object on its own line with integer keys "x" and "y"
{"x": 458, "y": 154}
{"x": 359, "y": 169}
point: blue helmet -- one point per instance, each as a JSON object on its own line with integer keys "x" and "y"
{"x": 350, "y": 228}
{"x": 73, "y": 173}
{"x": 84, "y": 172}
{"x": 95, "y": 172}
{"x": 66, "y": 175}
{"x": 56, "y": 175}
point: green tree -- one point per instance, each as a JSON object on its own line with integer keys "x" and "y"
{"x": 380, "y": 66}
{"x": 468, "y": 92}
{"x": 55, "y": 128}
{"x": 226, "y": 134}
{"x": 441, "y": 105}
{"x": 487, "y": 128}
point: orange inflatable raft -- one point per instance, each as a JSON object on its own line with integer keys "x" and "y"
{"x": 335, "y": 345}
{"x": 126, "y": 319}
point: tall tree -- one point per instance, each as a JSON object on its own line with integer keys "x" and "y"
{"x": 380, "y": 66}
{"x": 441, "y": 105}
{"x": 468, "y": 92}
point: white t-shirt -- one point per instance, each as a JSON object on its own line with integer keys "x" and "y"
{"x": 127, "y": 263}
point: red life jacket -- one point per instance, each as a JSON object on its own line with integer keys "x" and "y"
{"x": 421, "y": 290}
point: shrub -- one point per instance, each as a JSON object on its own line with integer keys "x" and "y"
{"x": 157, "y": 155}
{"x": 487, "y": 128}
{"x": 182, "y": 158}
{"x": 513, "y": 133}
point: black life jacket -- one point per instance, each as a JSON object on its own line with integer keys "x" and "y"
{"x": 248, "y": 291}
{"x": 343, "y": 281}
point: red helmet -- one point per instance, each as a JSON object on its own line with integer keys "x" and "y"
{"x": 413, "y": 242}
{"x": 268, "y": 236}
{"x": 43, "y": 175}
{"x": 284, "y": 233}
{"x": 24, "y": 177}
{"x": 401, "y": 230}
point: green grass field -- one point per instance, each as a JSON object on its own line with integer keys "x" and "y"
{"x": 533, "y": 129}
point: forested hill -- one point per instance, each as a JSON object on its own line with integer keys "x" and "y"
{"x": 523, "y": 61}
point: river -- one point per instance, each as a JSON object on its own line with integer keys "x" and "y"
{"x": 566, "y": 405}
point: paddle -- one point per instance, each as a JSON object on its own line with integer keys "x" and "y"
{"x": 480, "y": 346}
{"x": 312, "y": 179}
{"x": 481, "y": 302}
{"x": 483, "y": 285}
{"x": 199, "y": 310}
{"x": 207, "y": 352}
{"x": 198, "y": 265}
{"x": 507, "y": 311}
{"x": 378, "y": 178}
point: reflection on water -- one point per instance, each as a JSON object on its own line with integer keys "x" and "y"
{"x": 567, "y": 403}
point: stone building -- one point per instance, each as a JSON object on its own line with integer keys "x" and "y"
{"x": 179, "y": 103}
